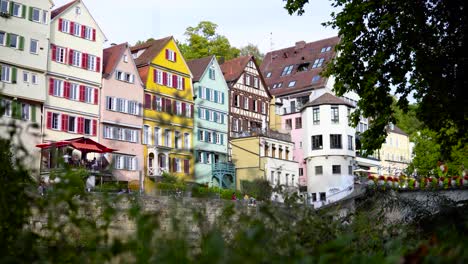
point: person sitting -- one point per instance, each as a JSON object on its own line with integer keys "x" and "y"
{"x": 94, "y": 164}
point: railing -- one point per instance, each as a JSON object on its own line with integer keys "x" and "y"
{"x": 223, "y": 166}
{"x": 259, "y": 132}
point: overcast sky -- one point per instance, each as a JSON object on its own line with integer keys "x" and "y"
{"x": 241, "y": 21}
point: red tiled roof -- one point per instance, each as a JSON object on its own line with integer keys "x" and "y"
{"x": 233, "y": 69}
{"x": 327, "y": 99}
{"x": 301, "y": 54}
{"x": 59, "y": 10}
{"x": 143, "y": 72}
{"x": 152, "y": 49}
{"x": 111, "y": 57}
{"x": 198, "y": 67}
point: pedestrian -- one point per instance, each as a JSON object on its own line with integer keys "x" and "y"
{"x": 233, "y": 197}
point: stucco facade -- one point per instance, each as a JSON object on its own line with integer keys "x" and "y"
{"x": 395, "y": 153}
{"x": 210, "y": 132}
{"x": 121, "y": 117}
{"x": 24, "y": 41}
{"x": 292, "y": 124}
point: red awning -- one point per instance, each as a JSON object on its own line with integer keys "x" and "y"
{"x": 86, "y": 147}
{"x": 57, "y": 144}
{"x": 82, "y": 144}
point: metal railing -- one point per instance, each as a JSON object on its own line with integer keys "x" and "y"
{"x": 262, "y": 132}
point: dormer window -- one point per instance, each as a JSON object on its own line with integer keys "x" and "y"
{"x": 287, "y": 70}
{"x": 325, "y": 49}
{"x": 211, "y": 74}
{"x": 318, "y": 63}
{"x": 77, "y": 10}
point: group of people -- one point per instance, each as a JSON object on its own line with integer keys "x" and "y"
{"x": 90, "y": 164}
{"x": 249, "y": 200}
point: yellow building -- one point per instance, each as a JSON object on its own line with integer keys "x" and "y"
{"x": 167, "y": 109}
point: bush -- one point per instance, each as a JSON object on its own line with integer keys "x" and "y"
{"x": 258, "y": 188}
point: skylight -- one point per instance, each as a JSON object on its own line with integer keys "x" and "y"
{"x": 318, "y": 63}
{"x": 325, "y": 49}
{"x": 287, "y": 70}
{"x": 315, "y": 79}
{"x": 291, "y": 83}
{"x": 268, "y": 75}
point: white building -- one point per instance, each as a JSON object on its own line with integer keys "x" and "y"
{"x": 24, "y": 42}
{"x": 329, "y": 149}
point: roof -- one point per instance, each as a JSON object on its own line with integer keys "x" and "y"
{"x": 233, "y": 69}
{"x": 80, "y": 143}
{"x": 302, "y": 54}
{"x": 111, "y": 57}
{"x": 59, "y": 10}
{"x": 143, "y": 72}
{"x": 198, "y": 67}
{"x": 151, "y": 50}
{"x": 396, "y": 130}
{"x": 327, "y": 99}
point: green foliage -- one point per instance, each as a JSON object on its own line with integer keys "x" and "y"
{"x": 402, "y": 48}
{"x": 426, "y": 151}
{"x": 408, "y": 121}
{"x": 202, "y": 41}
{"x": 252, "y": 49}
{"x": 259, "y": 189}
{"x": 139, "y": 42}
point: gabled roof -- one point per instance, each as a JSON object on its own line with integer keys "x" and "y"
{"x": 302, "y": 54}
{"x": 396, "y": 130}
{"x": 327, "y": 99}
{"x": 59, "y": 10}
{"x": 111, "y": 57}
{"x": 151, "y": 50}
{"x": 198, "y": 67}
{"x": 234, "y": 68}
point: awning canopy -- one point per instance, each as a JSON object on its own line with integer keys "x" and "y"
{"x": 82, "y": 144}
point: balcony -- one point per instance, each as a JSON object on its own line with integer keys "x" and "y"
{"x": 258, "y": 132}
{"x": 224, "y": 173}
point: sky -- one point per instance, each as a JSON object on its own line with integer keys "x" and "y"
{"x": 264, "y": 23}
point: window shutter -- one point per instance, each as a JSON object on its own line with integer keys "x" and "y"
{"x": 84, "y": 61}
{"x": 184, "y": 109}
{"x": 64, "y": 122}
{"x": 175, "y": 56}
{"x": 94, "y": 34}
{"x": 167, "y": 54}
{"x": 168, "y": 105}
{"x": 191, "y": 111}
{"x": 222, "y": 139}
{"x": 147, "y": 101}
{"x": 80, "y": 125}
{"x": 54, "y": 52}
{"x": 60, "y": 22}
{"x": 51, "y": 86}
{"x": 94, "y": 127}
{"x": 16, "y": 109}
{"x": 98, "y": 64}
{"x": 66, "y": 92}
{"x": 174, "y": 81}
{"x": 164, "y": 78}
{"x": 216, "y": 96}
{"x": 49, "y": 120}
{"x": 153, "y": 102}
{"x": 183, "y": 83}
{"x": 174, "y": 107}
{"x": 82, "y": 93}
{"x": 23, "y": 11}
{"x": 222, "y": 98}
{"x": 14, "y": 72}
{"x": 96, "y": 96}
{"x": 163, "y": 104}
{"x": 8, "y": 37}
{"x": 31, "y": 13}
{"x": 83, "y": 31}
{"x": 186, "y": 166}
{"x": 33, "y": 112}
{"x": 72, "y": 28}
{"x": 155, "y": 75}
{"x": 21, "y": 43}
{"x": 70, "y": 57}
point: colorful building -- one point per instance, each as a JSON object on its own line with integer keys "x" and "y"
{"x": 168, "y": 108}
{"x": 24, "y": 41}
{"x": 74, "y": 74}
{"x": 121, "y": 113}
{"x": 211, "y": 124}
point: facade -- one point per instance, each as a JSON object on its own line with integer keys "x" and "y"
{"x": 24, "y": 41}
{"x": 121, "y": 113}
{"x": 267, "y": 156}
{"x": 71, "y": 107}
{"x": 249, "y": 96}
{"x": 329, "y": 149}
{"x": 168, "y": 108}
{"x": 292, "y": 124}
{"x": 210, "y": 132}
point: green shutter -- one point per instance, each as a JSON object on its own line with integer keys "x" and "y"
{"x": 21, "y": 43}
{"x": 23, "y": 11}
{"x": 16, "y": 109}
{"x": 11, "y": 8}
{"x": 8, "y": 39}
{"x": 33, "y": 113}
{"x": 30, "y": 13}
{"x": 13, "y": 74}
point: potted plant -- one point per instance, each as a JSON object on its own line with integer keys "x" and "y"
{"x": 453, "y": 181}
{"x": 389, "y": 182}
{"x": 411, "y": 183}
{"x": 371, "y": 180}
{"x": 422, "y": 183}
{"x": 441, "y": 181}
{"x": 381, "y": 180}
{"x": 465, "y": 180}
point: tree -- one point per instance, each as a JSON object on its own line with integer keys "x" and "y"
{"x": 139, "y": 42}
{"x": 408, "y": 121}
{"x": 252, "y": 49}
{"x": 203, "y": 41}
{"x": 410, "y": 47}
{"x": 427, "y": 153}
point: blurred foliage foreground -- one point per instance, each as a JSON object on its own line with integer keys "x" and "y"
{"x": 77, "y": 229}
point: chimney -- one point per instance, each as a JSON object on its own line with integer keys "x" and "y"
{"x": 113, "y": 44}
{"x": 300, "y": 45}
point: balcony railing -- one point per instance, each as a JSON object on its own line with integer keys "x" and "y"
{"x": 259, "y": 132}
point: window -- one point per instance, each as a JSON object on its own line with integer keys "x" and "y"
{"x": 268, "y": 75}
{"x": 77, "y": 29}
{"x": 325, "y": 49}
{"x": 291, "y": 83}
{"x": 298, "y": 122}
{"x": 25, "y": 111}
{"x": 316, "y": 115}
{"x": 314, "y": 197}
{"x": 287, "y": 179}
{"x": 318, "y": 170}
{"x": 177, "y": 140}
{"x": 301, "y": 171}
{"x": 336, "y": 169}
{"x": 255, "y": 82}
{"x": 2, "y": 38}
{"x": 25, "y": 76}
{"x": 77, "y": 10}
{"x": 65, "y": 26}
{"x": 158, "y": 104}
{"x": 255, "y": 103}
{"x": 14, "y": 42}
{"x": 4, "y": 4}
{"x": 58, "y": 87}
{"x": 17, "y": 9}
{"x": 60, "y": 55}
{"x": 247, "y": 79}
{"x": 178, "y": 167}
{"x": 6, "y": 107}
{"x": 146, "y": 134}
{"x": 36, "y": 15}
{"x": 335, "y": 141}
{"x": 125, "y": 58}
{"x": 288, "y": 123}
{"x": 124, "y": 162}
{"x": 178, "y": 108}
{"x": 211, "y": 74}
{"x": 76, "y": 59}
{"x": 350, "y": 142}
{"x": 350, "y": 170}
{"x": 169, "y": 80}
{"x": 317, "y": 142}
{"x": 335, "y": 117}
{"x": 87, "y": 126}
{"x": 318, "y": 63}
{"x": 74, "y": 91}
{"x": 71, "y": 123}
{"x": 246, "y": 103}
{"x": 89, "y": 95}
{"x": 88, "y": 33}
{"x": 34, "y": 78}
{"x": 187, "y": 141}
{"x": 323, "y": 196}
{"x": 315, "y": 79}
{"x": 180, "y": 83}
{"x": 167, "y": 138}
{"x": 55, "y": 121}
{"x": 44, "y": 17}
{"x": 6, "y": 73}
{"x": 171, "y": 55}
{"x": 287, "y": 70}
{"x": 91, "y": 63}
{"x": 33, "y": 46}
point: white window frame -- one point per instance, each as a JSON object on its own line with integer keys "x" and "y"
{"x": 171, "y": 55}
{"x": 25, "y": 76}
{"x": 74, "y": 91}
{"x": 60, "y": 54}
{"x": 178, "y": 108}
{"x": 246, "y": 103}
{"x": 75, "y": 124}
{"x": 31, "y": 45}
{"x": 34, "y": 79}
{"x": 92, "y": 62}
{"x": 65, "y": 26}
{"x": 169, "y": 80}
{"x": 77, "y": 58}
{"x": 38, "y": 15}
{"x": 89, "y": 95}
{"x": 77, "y": 29}
{"x": 57, "y": 122}
{"x": 8, "y": 3}
{"x": 6, "y": 104}
{"x": 25, "y": 111}
{"x": 58, "y": 88}
{"x": 4, "y": 37}
{"x": 44, "y": 17}
{"x": 6, "y": 73}
{"x": 20, "y": 9}
{"x": 125, "y": 58}
{"x": 17, "y": 41}
{"x": 88, "y": 33}
{"x": 180, "y": 81}
{"x": 187, "y": 141}
{"x": 178, "y": 165}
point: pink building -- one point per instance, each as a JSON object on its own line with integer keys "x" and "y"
{"x": 121, "y": 112}
{"x": 292, "y": 123}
